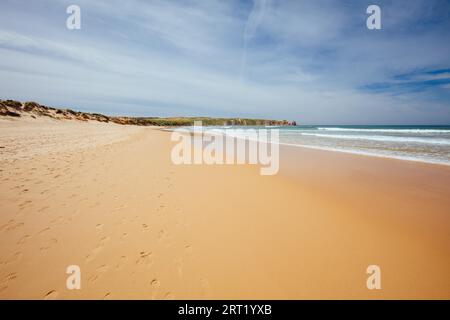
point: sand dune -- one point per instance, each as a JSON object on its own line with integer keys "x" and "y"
{"x": 107, "y": 198}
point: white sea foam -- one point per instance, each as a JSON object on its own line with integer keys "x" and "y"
{"x": 385, "y": 130}
{"x": 372, "y": 154}
{"x": 437, "y": 141}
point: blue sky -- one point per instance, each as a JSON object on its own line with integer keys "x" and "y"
{"x": 309, "y": 61}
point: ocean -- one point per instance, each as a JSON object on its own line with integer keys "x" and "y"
{"x": 430, "y": 144}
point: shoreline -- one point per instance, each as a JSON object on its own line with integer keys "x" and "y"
{"x": 330, "y": 149}
{"x": 368, "y": 154}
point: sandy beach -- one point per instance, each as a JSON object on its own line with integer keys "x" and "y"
{"x": 106, "y": 197}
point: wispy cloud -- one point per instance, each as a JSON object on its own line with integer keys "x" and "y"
{"x": 412, "y": 82}
{"x": 251, "y": 26}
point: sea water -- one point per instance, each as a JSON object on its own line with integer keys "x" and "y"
{"x": 430, "y": 144}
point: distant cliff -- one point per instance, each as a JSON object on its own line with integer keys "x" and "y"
{"x": 11, "y": 108}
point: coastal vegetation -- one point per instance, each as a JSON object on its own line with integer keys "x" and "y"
{"x": 14, "y": 108}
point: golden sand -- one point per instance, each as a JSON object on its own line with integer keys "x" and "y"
{"x": 107, "y": 198}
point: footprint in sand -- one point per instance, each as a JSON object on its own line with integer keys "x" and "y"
{"x": 43, "y": 208}
{"x": 169, "y": 296}
{"x": 163, "y": 238}
{"x": 98, "y": 272}
{"x": 160, "y": 208}
{"x": 23, "y": 239}
{"x": 24, "y": 204}
{"x": 145, "y": 259}
{"x": 51, "y": 295}
{"x": 5, "y": 282}
{"x": 188, "y": 250}
{"x": 43, "y": 231}
{"x": 121, "y": 207}
{"x": 161, "y": 235}
{"x": 11, "y": 225}
{"x": 94, "y": 205}
{"x": 57, "y": 220}
{"x": 121, "y": 263}
{"x": 49, "y": 244}
{"x": 91, "y": 256}
{"x": 155, "y": 288}
{"x": 205, "y": 288}
{"x": 179, "y": 266}
{"x": 179, "y": 262}
{"x": 13, "y": 258}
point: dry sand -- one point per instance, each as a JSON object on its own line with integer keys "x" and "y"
{"x": 108, "y": 198}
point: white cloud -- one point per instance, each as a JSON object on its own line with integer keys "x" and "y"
{"x": 303, "y": 60}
